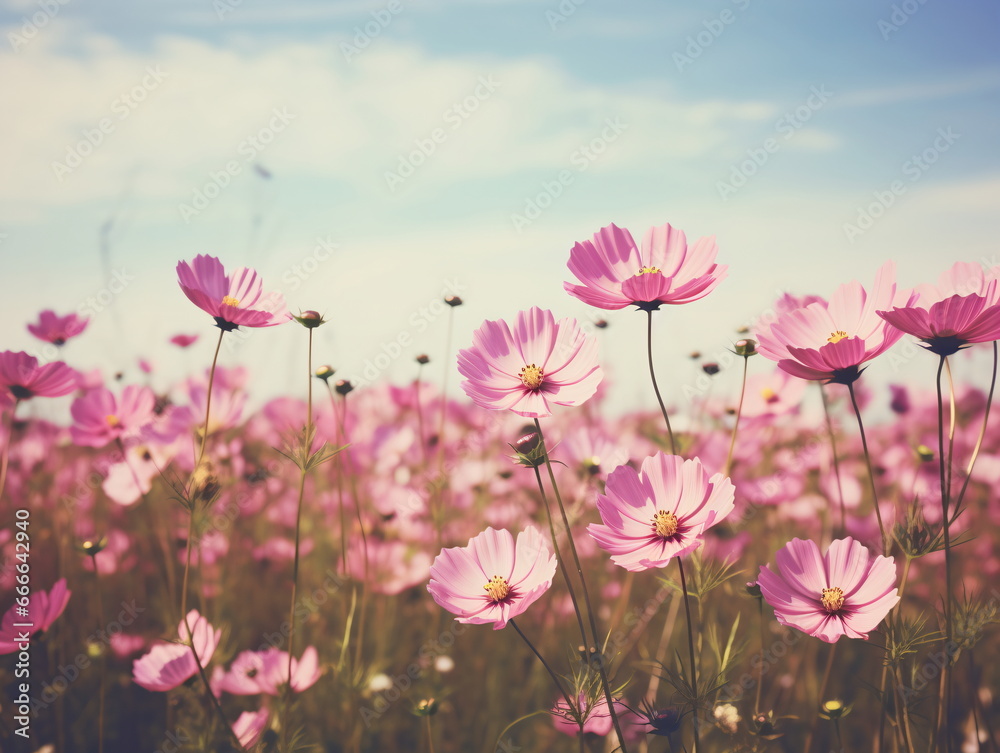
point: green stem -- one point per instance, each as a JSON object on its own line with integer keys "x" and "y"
{"x": 208, "y": 688}
{"x": 586, "y": 594}
{"x": 694, "y": 668}
{"x": 822, "y": 691}
{"x": 982, "y": 433}
{"x": 946, "y": 527}
{"x": 836, "y": 460}
{"x": 871, "y": 472}
{"x": 101, "y": 623}
{"x": 553, "y": 675}
{"x": 652, "y": 376}
{"x": 736, "y": 424}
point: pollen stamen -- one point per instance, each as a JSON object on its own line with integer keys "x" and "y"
{"x": 648, "y": 271}
{"x": 112, "y": 420}
{"x": 837, "y": 336}
{"x": 531, "y": 377}
{"x": 832, "y": 600}
{"x": 769, "y": 395}
{"x": 498, "y": 589}
{"x": 665, "y": 524}
{"x": 228, "y": 300}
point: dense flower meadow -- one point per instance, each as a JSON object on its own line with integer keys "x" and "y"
{"x": 809, "y": 564}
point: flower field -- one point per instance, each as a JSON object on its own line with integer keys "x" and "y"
{"x": 504, "y": 562}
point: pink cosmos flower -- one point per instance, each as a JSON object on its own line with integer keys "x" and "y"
{"x": 962, "y": 309}
{"x": 524, "y": 370}
{"x": 167, "y": 665}
{"x": 659, "y": 512}
{"x": 829, "y": 342}
{"x": 844, "y": 592}
{"x": 254, "y": 672}
{"x": 250, "y": 726}
{"x": 234, "y": 300}
{"x": 184, "y": 341}
{"x": 57, "y": 329}
{"x": 99, "y": 418}
{"x": 43, "y": 609}
{"x": 616, "y": 274}
{"x": 22, "y": 378}
{"x": 598, "y": 719}
{"x": 492, "y": 579}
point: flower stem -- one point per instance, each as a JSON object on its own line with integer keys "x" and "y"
{"x": 553, "y": 675}
{"x": 430, "y": 734}
{"x": 836, "y": 460}
{"x": 822, "y": 691}
{"x": 871, "y": 472}
{"x": 694, "y": 669}
{"x": 559, "y": 557}
{"x": 208, "y": 688}
{"x": 946, "y": 527}
{"x": 100, "y": 617}
{"x": 736, "y": 424}
{"x": 586, "y": 594}
{"x": 982, "y": 433}
{"x": 652, "y": 376}
{"x": 208, "y": 400}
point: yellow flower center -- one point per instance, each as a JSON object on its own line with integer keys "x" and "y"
{"x": 228, "y": 300}
{"x": 112, "y": 420}
{"x": 832, "y": 600}
{"x": 665, "y": 524}
{"x": 531, "y": 377}
{"x": 837, "y": 336}
{"x": 498, "y": 589}
{"x": 648, "y": 271}
{"x": 769, "y": 395}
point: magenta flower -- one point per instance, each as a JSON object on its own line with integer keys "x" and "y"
{"x": 659, "y": 512}
{"x": 43, "y": 609}
{"x": 616, "y": 274}
{"x": 234, "y": 300}
{"x": 167, "y": 665}
{"x": 254, "y": 672}
{"x": 57, "y": 329}
{"x": 962, "y": 309}
{"x": 250, "y": 726}
{"x": 597, "y": 720}
{"x": 492, "y": 579}
{"x": 98, "y": 418}
{"x": 184, "y": 341}
{"x": 525, "y": 370}
{"x": 844, "y": 592}
{"x": 22, "y": 378}
{"x": 829, "y": 342}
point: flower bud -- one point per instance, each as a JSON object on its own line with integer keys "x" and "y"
{"x": 710, "y": 368}
{"x": 309, "y": 319}
{"x": 343, "y": 387}
{"x": 423, "y": 358}
{"x": 324, "y": 373}
{"x": 453, "y": 300}
{"x": 746, "y": 347}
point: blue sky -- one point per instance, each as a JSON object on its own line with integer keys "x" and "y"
{"x": 774, "y": 126}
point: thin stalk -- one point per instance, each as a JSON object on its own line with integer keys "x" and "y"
{"x": 364, "y": 545}
{"x": 736, "y": 424}
{"x": 430, "y": 734}
{"x": 982, "y": 433}
{"x": 652, "y": 376}
{"x": 836, "y": 460}
{"x": 760, "y": 665}
{"x": 871, "y": 473}
{"x": 306, "y": 451}
{"x": 668, "y": 630}
{"x": 822, "y": 692}
{"x": 208, "y": 688}
{"x": 946, "y": 527}
{"x": 208, "y": 400}
{"x": 101, "y": 623}
{"x": 559, "y": 558}
{"x": 553, "y": 675}
{"x": 694, "y": 668}
{"x": 586, "y": 594}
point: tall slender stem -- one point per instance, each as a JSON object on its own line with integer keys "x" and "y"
{"x": 101, "y": 623}
{"x": 736, "y": 423}
{"x": 553, "y": 675}
{"x": 946, "y": 527}
{"x": 836, "y": 460}
{"x": 691, "y": 657}
{"x": 822, "y": 691}
{"x": 652, "y": 376}
{"x": 559, "y": 558}
{"x": 982, "y": 433}
{"x": 208, "y": 400}
{"x": 208, "y": 688}
{"x": 871, "y": 472}
{"x": 586, "y": 594}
